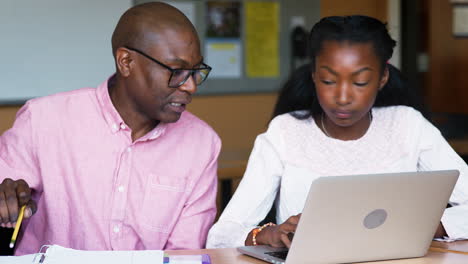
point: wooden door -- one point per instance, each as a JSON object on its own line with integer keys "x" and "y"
{"x": 447, "y": 79}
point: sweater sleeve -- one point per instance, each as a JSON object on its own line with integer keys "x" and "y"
{"x": 253, "y": 198}
{"x": 436, "y": 154}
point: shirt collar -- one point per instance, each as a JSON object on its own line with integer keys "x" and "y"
{"x": 113, "y": 118}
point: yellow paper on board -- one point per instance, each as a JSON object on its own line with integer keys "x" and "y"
{"x": 262, "y": 39}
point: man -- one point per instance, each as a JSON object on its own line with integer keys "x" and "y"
{"x": 123, "y": 166}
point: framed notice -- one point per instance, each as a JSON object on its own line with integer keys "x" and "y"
{"x": 460, "y": 18}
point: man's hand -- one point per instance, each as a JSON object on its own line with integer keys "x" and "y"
{"x": 13, "y": 195}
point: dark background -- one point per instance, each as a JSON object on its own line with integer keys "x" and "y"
{"x": 5, "y": 237}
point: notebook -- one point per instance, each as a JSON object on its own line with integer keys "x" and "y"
{"x": 366, "y": 218}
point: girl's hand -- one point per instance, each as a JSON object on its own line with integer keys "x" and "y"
{"x": 277, "y": 236}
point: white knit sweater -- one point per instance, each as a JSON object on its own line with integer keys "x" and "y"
{"x": 292, "y": 153}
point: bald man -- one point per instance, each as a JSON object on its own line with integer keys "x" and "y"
{"x": 122, "y": 166}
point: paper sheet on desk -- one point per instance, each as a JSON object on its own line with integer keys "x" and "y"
{"x": 189, "y": 259}
{"x": 26, "y": 259}
{"x": 59, "y": 255}
{"x": 448, "y": 239}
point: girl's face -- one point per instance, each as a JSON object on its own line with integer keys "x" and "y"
{"x": 347, "y": 78}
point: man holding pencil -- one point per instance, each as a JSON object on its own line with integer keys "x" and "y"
{"x": 122, "y": 166}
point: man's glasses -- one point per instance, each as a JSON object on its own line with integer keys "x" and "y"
{"x": 179, "y": 76}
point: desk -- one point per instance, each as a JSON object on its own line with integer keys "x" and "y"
{"x": 231, "y": 256}
{"x": 461, "y": 246}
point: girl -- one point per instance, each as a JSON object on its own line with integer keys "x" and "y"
{"x": 348, "y": 112}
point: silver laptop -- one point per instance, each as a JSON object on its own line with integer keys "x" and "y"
{"x": 365, "y": 218}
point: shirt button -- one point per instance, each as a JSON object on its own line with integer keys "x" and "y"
{"x": 122, "y": 126}
{"x": 115, "y": 127}
{"x": 121, "y": 188}
{"x": 129, "y": 149}
{"x": 116, "y": 229}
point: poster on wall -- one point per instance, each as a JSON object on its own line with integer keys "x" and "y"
{"x": 224, "y": 57}
{"x": 223, "y": 46}
{"x": 262, "y": 39}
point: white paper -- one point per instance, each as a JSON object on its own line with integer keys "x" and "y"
{"x": 59, "y": 255}
{"x": 448, "y": 239}
{"x": 26, "y": 259}
{"x": 185, "y": 259}
{"x": 460, "y": 21}
{"x": 297, "y": 21}
{"x": 224, "y": 56}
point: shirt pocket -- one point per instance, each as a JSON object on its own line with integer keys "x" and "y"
{"x": 163, "y": 202}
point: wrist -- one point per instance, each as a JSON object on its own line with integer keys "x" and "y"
{"x": 258, "y": 234}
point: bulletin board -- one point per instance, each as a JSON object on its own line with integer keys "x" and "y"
{"x": 288, "y": 11}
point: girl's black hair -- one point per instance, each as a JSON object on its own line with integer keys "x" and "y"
{"x": 298, "y": 93}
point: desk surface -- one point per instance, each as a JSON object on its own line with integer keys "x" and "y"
{"x": 231, "y": 256}
{"x": 457, "y": 246}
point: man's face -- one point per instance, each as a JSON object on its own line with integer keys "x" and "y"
{"x": 150, "y": 92}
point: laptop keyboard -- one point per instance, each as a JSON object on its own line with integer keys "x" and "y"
{"x": 278, "y": 254}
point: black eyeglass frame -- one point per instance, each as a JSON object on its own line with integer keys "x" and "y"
{"x": 191, "y": 71}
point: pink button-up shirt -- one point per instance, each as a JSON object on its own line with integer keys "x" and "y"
{"x": 98, "y": 190}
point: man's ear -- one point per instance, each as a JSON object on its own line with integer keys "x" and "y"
{"x": 384, "y": 79}
{"x": 123, "y": 61}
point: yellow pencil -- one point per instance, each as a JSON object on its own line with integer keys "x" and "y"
{"x": 17, "y": 226}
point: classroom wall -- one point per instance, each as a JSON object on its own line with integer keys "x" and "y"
{"x": 51, "y": 48}
{"x": 239, "y": 118}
